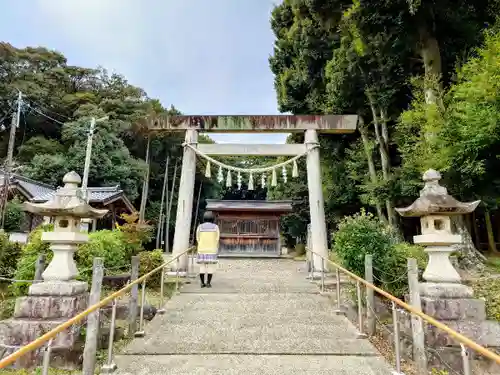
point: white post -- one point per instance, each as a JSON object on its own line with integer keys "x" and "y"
{"x": 185, "y": 200}
{"x": 316, "y": 203}
{"x": 88, "y": 155}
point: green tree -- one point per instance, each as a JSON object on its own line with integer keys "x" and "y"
{"x": 465, "y": 130}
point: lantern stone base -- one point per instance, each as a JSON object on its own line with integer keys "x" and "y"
{"x": 445, "y": 290}
{"x": 58, "y": 288}
{"x": 48, "y": 305}
{"x": 455, "y": 306}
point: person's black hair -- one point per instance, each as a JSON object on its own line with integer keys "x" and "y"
{"x": 208, "y": 217}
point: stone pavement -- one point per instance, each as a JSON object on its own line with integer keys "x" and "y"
{"x": 261, "y": 317}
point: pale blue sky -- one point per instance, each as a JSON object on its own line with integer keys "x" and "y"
{"x": 203, "y": 56}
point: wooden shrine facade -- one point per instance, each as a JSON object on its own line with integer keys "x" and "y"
{"x": 249, "y": 228}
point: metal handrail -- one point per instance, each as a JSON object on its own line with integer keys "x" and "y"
{"x": 458, "y": 336}
{"x": 35, "y": 344}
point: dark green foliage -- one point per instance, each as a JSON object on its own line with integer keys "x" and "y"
{"x": 25, "y": 269}
{"x": 105, "y": 244}
{"x": 9, "y": 254}
{"x": 359, "y": 235}
{"x": 148, "y": 261}
{"x": 363, "y": 234}
{"x": 49, "y": 146}
{"x": 360, "y": 57}
{"x": 14, "y": 215}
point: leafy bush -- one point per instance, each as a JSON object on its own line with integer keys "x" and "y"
{"x": 363, "y": 234}
{"x": 106, "y": 244}
{"x": 395, "y": 277}
{"x": 148, "y": 261}
{"x": 135, "y": 235}
{"x": 300, "y": 249}
{"x": 359, "y": 235}
{"x": 9, "y": 254}
{"x": 14, "y": 215}
{"x": 25, "y": 269}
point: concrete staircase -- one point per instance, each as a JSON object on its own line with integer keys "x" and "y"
{"x": 261, "y": 317}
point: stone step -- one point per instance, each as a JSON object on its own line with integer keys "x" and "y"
{"x": 260, "y": 317}
{"x": 245, "y": 323}
{"x": 266, "y": 344}
{"x": 251, "y": 365}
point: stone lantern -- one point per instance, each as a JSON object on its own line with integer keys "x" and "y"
{"x": 435, "y": 208}
{"x": 68, "y": 208}
{"x": 60, "y": 296}
{"x": 442, "y": 295}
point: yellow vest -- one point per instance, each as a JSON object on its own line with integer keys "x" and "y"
{"x": 207, "y": 236}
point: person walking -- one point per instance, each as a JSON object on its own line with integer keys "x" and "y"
{"x": 207, "y": 237}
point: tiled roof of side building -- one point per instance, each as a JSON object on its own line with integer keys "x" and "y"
{"x": 40, "y": 192}
{"x": 31, "y": 187}
{"x": 96, "y": 194}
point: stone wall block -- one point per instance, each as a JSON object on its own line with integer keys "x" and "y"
{"x": 60, "y": 358}
{"x": 22, "y": 331}
{"x": 122, "y": 310}
{"x": 50, "y": 307}
{"x": 486, "y": 333}
{"x": 454, "y": 309}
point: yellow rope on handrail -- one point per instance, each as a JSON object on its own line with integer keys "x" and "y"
{"x": 459, "y": 337}
{"x": 35, "y": 344}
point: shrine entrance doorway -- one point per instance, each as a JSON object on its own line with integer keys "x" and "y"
{"x": 249, "y": 228}
{"x": 309, "y": 125}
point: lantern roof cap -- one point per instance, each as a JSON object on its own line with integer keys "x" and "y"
{"x": 435, "y": 200}
{"x": 67, "y": 201}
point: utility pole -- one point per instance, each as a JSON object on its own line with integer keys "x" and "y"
{"x": 145, "y": 185}
{"x": 88, "y": 155}
{"x": 8, "y": 163}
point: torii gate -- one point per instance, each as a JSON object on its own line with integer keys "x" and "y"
{"x": 311, "y": 125}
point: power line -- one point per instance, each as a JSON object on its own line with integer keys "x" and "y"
{"x": 43, "y": 114}
{"x": 50, "y": 110}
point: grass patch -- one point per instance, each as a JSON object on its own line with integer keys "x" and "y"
{"x": 488, "y": 287}
{"x": 493, "y": 264}
{"x": 38, "y": 371}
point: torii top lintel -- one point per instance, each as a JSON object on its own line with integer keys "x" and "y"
{"x": 258, "y": 123}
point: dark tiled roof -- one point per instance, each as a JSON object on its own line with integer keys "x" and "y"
{"x": 96, "y": 194}
{"x": 273, "y": 206}
{"x": 39, "y": 192}
{"x": 27, "y": 186}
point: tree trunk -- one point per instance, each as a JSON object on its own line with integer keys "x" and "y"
{"x": 371, "y": 167}
{"x": 384, "y": 156}
{"x": 431, "y": 56}
{"x": 470, "y": 257}
{"x": 391, "y": 213}
{"x": 492, "y": 247}
{"x": 476, "y": 230}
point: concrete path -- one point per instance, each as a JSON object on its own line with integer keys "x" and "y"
{"x": 261, "y": 317}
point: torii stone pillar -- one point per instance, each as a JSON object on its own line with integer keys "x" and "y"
{"x": 185, "y": 201}
{"x": 319, "y": 242}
